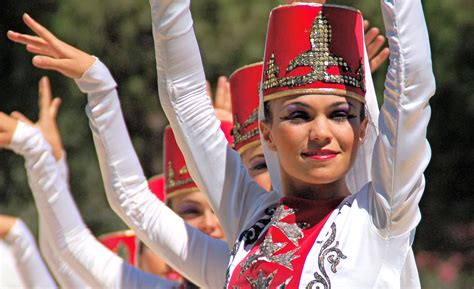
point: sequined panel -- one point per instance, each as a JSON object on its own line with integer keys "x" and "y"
{"x": 319, "y": 58}
{"x": 172, "y": 181}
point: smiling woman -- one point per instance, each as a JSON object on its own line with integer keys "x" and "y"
{"x": 316, "y": 138}
{"x": 347, "y": 219}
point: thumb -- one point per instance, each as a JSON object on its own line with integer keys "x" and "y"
{"x": 19, "y": 116}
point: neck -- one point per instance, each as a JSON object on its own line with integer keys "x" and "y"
{"x": 315, "y": 192}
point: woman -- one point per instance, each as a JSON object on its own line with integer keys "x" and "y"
{"x": 319, "y": 234}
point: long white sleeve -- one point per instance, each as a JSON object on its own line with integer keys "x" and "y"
{"x": 198, "y": 257}
{"x": 401, "y": 152}
{"x": 213, "y": 165}
{"x": 95, "y": 264}
{"x": 61, "y": 271}
{"x": 29, "y": 263}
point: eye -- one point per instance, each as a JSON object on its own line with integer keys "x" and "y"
{"x": 297, "y": 116}
{"x": 257, "y": 165}
{"x": 189, "y": 211}
{"x": 341, "y": 115}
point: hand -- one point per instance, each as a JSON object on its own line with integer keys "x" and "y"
{"x": 373, "y": 42}
{"x": 48, "y": 111}
{"x": 6, "y": 223}
{"x": 54, "y": 54}
{"x": 222, "y": 101}
{"x": 7, "y": 129}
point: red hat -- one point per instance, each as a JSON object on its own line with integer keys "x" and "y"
{"x": 123, "y": 243}
{"x": 157, "y": 186}
{"x": 314, "y": 49}
{"x": 244, "y": 89}
{"x": 178, "y": 181}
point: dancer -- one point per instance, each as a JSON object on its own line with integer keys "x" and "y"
{"x": 319, "y": 234}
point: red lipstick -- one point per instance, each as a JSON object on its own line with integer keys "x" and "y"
{"x": 320, "y": 155}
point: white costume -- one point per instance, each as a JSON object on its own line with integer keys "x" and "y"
{"x": 366, "y": 241}
{"x": 30, "y": 266}
{"x": 69, "y": 238}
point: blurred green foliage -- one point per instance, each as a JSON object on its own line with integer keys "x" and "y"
{"x": 231, "y": 33}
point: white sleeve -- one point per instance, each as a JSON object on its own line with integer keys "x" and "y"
{"x": 401, "y": 152}
{"x": 237, "y": 200}
{"x": 198, "y": 257}
{"x": 69, "y": 237}
{"x": 31, "y": 267}
{"x": 61, "y": 271}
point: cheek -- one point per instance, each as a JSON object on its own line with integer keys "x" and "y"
{"x": 289, "y": 136}
{"x": 263, "y": 179}
{"x": 347, "y": 136}
{"x": 195, "y": 222}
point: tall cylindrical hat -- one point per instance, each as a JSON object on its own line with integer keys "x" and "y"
{"x": 314, "y": 49}
{"x": 178, "y": 181}
{"x": 123, "y": 243}
{"x": 244, "y": 89}
{"x": 157, "y": 186}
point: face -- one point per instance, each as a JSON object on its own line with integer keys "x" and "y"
{"x": 316, "y": 137}
{"x": 254, "y": 160}
{"x": 151, "y": 263}
{"x": 196, "y": 211}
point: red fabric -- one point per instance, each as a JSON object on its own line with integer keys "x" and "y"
{"x": 244, "y": 89}
{"x": 288, "y": 36}
{"x": 157, "y": 186}
{"x": 123, "y": 243}
{"x": 315, "y": 214}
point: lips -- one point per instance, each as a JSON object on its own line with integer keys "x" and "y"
{"x": 320, "y": 155}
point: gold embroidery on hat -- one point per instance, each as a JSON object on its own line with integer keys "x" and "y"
{"x": 172, "y": 180}
{"x": 319, "y": 58}
{"x": 238, "y": 127}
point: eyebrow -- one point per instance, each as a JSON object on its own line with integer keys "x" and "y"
{"x": 342, "y": 103}
{"x": 332, "y": 105}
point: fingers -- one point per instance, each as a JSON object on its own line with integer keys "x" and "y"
{"x": 38, "y": 29}
{"x": 44, "y": 93}
{"x": 374, "y": 47}
{"x": 54, "y": 108}
{"x": 26, "y": 39}
{"x": 68, "y": 67}
{"x": 366, "y": 24}
{"x": 371, "y": 34}
{"x": 223, "y": 99}
{"x": 21, "y": 117}
{"x": 376, "y": 61}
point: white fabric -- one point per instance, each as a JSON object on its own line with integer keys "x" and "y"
{"x": 198, "y": 257}
{"x": 60, "y": 269}
{"x": 68, "y": 236}
{"x": 30, "y": 265}
{"x": 9, "y": 275}
{"x": 375, "y": 226}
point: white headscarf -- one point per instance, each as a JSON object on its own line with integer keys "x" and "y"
{"x": 359, "y": 174}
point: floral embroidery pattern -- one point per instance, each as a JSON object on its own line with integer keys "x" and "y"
{"x": 333, "y": 255}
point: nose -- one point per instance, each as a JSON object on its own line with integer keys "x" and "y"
{"x": 320, "y": 131}
{"x": 211, "y": 225}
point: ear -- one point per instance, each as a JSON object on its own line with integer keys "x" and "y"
{"x": 266, "y": 131}
{"x": 363, "y": 129}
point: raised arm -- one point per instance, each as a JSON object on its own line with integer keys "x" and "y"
{"x": 29, "y": 263}
{"x": 196, "y": 256}
{"x": 69, "y": 236}
{"x": 402, "y": 152}
{"x": 213, "y": 165}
